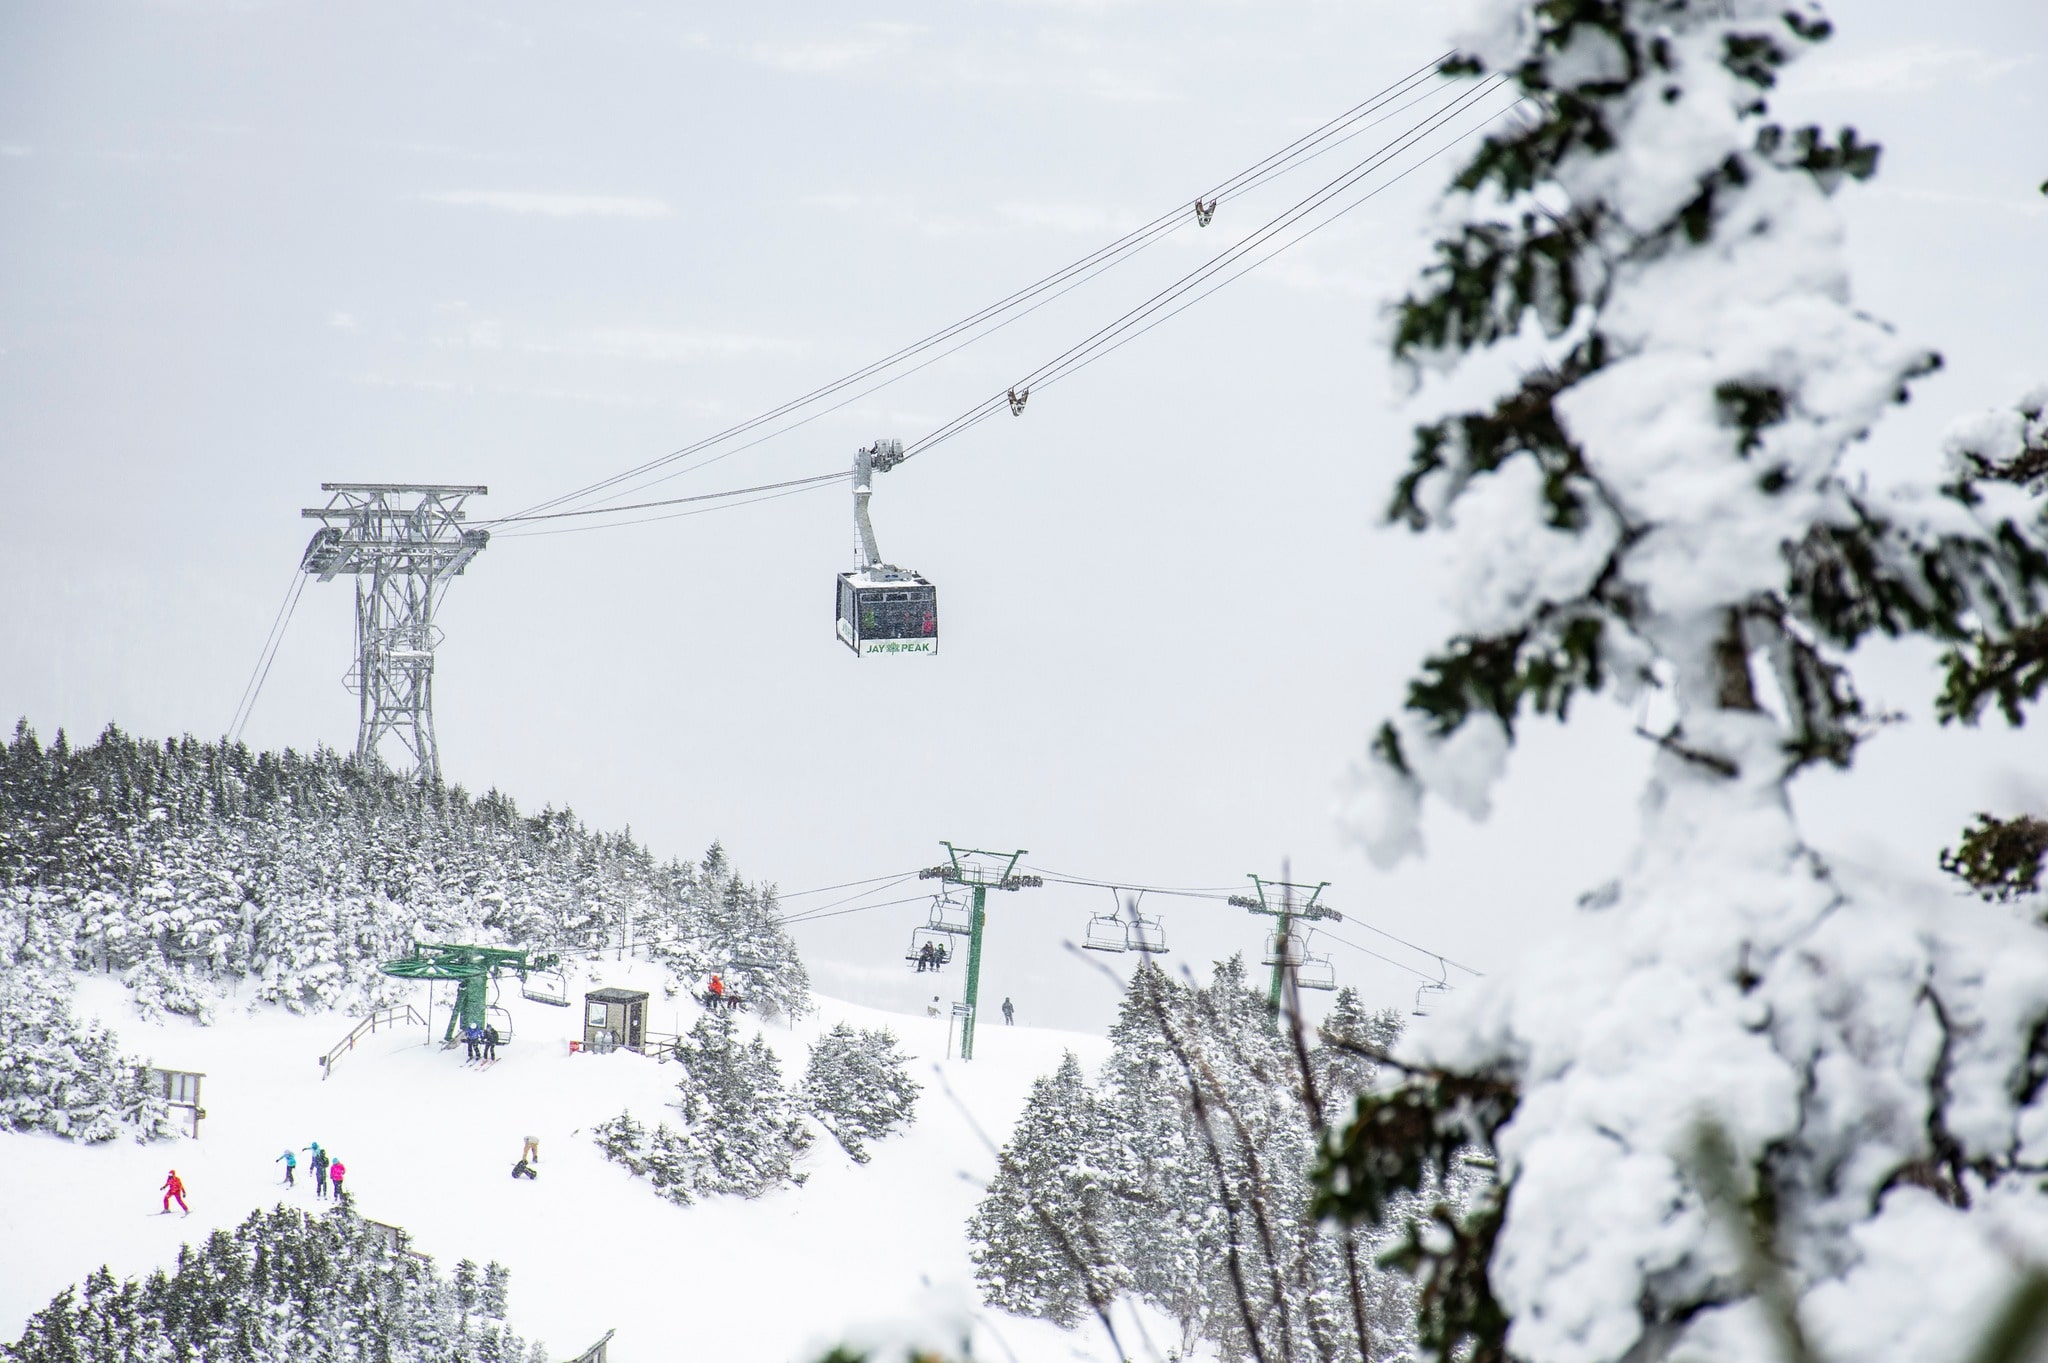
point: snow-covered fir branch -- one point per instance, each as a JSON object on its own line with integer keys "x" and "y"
{"x": 1663, "y": 502}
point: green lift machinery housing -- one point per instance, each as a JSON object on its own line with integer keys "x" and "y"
{"x": 473, "y": 969}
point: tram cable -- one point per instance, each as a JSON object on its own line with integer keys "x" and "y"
{"x": 1166, "y": 224}
{"x": 1174, "y": 299}
{"x": 1294, "y": 153}
{"x": 268, "y": 655}
{"x": 1106, "y": 337}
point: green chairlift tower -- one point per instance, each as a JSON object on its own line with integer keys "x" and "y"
{"x": 982, "y": 871}
{"x": 472, "y": 969}
{"x": 1287, "y": 948}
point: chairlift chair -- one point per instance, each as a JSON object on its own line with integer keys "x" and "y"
{"x": 1286, "y": 948}
{"x": 1315, "y": 972}
{"x": 545, "y": 986}
{"x": 500, "y": 1019}
{"x": 949, "y": 915}
{"x": 1105, "y": 933}
{"x": 1143, "y": 934}
{"x": 1426, "y": 995}
{"x": 940, "y": 942}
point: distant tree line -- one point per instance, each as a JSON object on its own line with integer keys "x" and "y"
{"x": 284, "y": 1285}
{"x": 185, "y": 866}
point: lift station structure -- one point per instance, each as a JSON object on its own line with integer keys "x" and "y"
{"x": 403, "y": 543}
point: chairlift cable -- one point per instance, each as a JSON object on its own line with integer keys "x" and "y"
{"x": 879, "y": 889}
{"x": 845, "y": 885}
{"x": 1139, "y": 237}
{"x": 1052, "y": 878}
{"x": 858, "y": 908}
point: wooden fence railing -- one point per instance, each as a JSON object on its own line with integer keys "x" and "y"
{"x": 398, "y": 1015}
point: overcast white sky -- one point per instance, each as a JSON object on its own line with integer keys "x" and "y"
{"x": 246, "y": 248}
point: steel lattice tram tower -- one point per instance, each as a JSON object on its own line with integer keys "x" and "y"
{"x": 403, "y": 542}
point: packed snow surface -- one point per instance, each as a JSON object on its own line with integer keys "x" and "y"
{"x": 873, "y": 1253}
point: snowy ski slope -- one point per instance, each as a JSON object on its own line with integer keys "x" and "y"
{"x": 873, "y": 1253}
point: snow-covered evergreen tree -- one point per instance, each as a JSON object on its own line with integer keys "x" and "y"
{"x": 1181, "y": 1179}
{"x": 56, "y": 1073}
{"x": 1742, "y": 1110}
{"x": 741, "y": 1126}
{"x": 1038, "y": 1239}
{"x": 858, "y": 1086}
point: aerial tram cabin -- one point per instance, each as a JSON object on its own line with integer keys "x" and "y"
{"x": 881, "y": 608}
{"x": 888, "y": 610}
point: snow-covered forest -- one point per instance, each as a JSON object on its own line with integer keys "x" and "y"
{"x": 1727, "y": 1081}
{"x": 189, "y": 867}
{"x": 284, "y": 1284}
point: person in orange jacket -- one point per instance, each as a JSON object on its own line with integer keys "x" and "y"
{"x": 175, "y": 1187}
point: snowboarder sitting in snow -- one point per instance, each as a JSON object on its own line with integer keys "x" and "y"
{"x": 335, "y": 1174}
{"x": 523, "y": 1169}
{"x": 175, "y": 1187}
{"x": 291, "y": 1162}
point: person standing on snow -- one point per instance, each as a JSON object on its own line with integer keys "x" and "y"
{"x": 1009, "y": 1012}
{"x": 530, "y": 1152}
{"x": 320, "y": 1162}
{"x": 471, "y": 1041}
{"x": 291, "y": 1162}
{"x": 335, "y": 1175}
{"x": 175, "y": 1187}
{"x": 490, "y": 1043}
